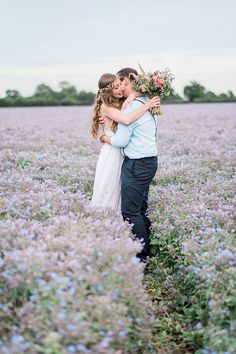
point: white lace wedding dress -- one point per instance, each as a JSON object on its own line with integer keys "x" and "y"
{"x": 107, "y": 185}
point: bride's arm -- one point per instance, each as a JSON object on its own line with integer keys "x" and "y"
{"x": 128, "y": 118}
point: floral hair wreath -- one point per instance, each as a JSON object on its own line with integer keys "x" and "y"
{"x": 106, "y": 88}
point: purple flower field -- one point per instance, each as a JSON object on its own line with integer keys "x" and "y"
{"x": 69, "y": 278}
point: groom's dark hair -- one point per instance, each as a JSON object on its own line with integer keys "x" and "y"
{"x": 127, "y": 72}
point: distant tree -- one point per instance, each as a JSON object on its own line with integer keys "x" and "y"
{"x": 43, "y": 90}
{"x": 223, "y": 97}
{"x": 230, "y": 94}
{"x": 209, "y": 96}
{"x": 43, "y": 96}
{"x": 68, "y": 92}
{"x": 13, "y": 98}
{"x": 194, "y": 91}
{"x": 12, "y": 94}
{"x": 64, "y": 85}
{"x": 85, "y": 98}
{"x": 172, "y": 98}
{"x": 90, "y": 98}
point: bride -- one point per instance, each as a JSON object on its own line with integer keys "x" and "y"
{"x": 108, "y": 103}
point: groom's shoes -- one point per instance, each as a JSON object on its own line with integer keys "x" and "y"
{"x": 143, "y": 256}
{"x": 143, "y": 259}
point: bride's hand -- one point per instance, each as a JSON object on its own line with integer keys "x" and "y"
{"x": 102, "y": 121}
{"x": 154, "y": 102}
{"x": 128, "y": 100}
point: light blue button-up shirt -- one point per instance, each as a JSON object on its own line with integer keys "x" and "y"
{"x": 138, "y": 138}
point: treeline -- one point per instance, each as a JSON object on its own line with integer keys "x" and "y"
{"x": 69, "y": 96}
{"x": 195, "y": 92}
{"x": 46, "y": 96}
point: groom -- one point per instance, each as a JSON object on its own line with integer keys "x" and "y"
{"x": 138, "y": 141}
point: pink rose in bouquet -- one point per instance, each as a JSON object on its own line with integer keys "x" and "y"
{"x": 158, "y": 83}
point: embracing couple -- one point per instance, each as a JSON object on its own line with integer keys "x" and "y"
{"x": 128, "y": 159}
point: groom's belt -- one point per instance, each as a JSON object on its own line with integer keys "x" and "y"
{"x": 142, "y": 158}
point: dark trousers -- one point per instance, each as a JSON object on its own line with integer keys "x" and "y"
{"x": 136, "y": 177}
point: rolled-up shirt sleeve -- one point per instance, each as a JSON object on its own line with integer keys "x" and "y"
{"x": 122, "y": 136}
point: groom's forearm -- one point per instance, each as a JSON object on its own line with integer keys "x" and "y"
{"x": 122, "y": 136}
{"x": 120, "y": 139}
{"x": 114, "y": 141}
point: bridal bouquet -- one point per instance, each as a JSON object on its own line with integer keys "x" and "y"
{"x": 158, "y": 83}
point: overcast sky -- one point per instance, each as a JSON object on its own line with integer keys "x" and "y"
{"x": 53, "y": 40}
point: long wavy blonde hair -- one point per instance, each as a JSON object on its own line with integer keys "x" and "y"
{"x": 104, "y": 95}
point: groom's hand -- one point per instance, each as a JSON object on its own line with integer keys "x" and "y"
{"x": 105, "y": 139}
{"x": 155, "y": 102}
{"x": 102, "y": 138}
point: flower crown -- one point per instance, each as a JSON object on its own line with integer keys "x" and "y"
{"x": 106, "y": 88}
